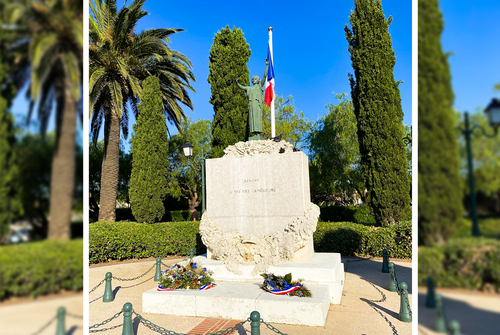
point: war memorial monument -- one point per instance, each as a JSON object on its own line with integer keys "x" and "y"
{"x": 259, "y": 219}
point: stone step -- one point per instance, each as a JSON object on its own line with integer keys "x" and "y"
{"x": 236, "y": 300}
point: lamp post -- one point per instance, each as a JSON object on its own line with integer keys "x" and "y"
{"x": 493, "y": 113}
{"x": 187, "y": 148}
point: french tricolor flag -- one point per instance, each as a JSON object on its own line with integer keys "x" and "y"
{"x": 269, "y": 85}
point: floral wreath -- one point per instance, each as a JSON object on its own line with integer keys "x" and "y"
{"x": 187, "y": 275}
{"x": 281, "y": 285}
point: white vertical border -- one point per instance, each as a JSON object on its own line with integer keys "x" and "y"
{"x": 414, "y": 159}
{"x": 85, "y": 166}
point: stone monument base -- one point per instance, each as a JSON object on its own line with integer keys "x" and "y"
{"x": 236, "y": 296}
{"x": 232, "y": 300}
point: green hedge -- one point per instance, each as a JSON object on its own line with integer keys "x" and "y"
{"x": 489, "y": 227}
{"x": 126, "y": 240}
{"x": 125, "y": 214}
{"x": 37, "y": 268}
{"x": 350, "y": 238}
{"x": 356, "y": 214}
{"x": 468, "y": 263}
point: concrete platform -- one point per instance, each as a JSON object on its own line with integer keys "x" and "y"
{"x": 236, "y": 300}
{"x": 322, "y": 269}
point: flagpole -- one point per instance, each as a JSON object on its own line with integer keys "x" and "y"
{"x": 273, "y": 128}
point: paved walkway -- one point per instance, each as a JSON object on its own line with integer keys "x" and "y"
{"x": 477, "y": 314}
{"x": 367, "y": 306}
{"x": 29, "y": 317}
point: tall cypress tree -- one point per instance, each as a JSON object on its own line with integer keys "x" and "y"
{"x": 439, "y": 193}
{"x": 377, "y": 105}
{"x": 228, "y": 61}
{"x": 9, "y": 202}
{"x": 148, "y": 183}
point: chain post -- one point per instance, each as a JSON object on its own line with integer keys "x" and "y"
{"x": 108, "y": 292}
{"x": 61, "y": 327}
{"x": 429, "y": 301}
{"x": 385, "y": 261}
{"x": 454, "y": 327}
{"x": 392, "y": 278}
{"x": 191, "y": 253}
{"x": 158, "y": 269}
{"x": 127, "y": 319}
{"x": 255, "y": 324}
{"x": 404, "y": 308}
{"x": 440, "y": 324}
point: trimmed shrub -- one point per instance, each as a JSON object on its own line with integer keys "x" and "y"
{"x": 125, "y": 214}
{"x": 37, "y": 268}
{"x": 126, "y": 240}
{"x": 468, "y": 263}
{"x": 490, "y": 227}
{"x": 351, "y": 238}
{"x": 356, "y": 214}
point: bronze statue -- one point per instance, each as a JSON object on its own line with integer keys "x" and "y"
{"x": 254, "y": 94}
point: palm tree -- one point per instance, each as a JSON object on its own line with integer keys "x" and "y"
{"x": 120, "y": 59}
{"x": 46, "y": 51}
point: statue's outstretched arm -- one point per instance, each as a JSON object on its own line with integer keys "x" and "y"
{"x": 263, "y": 80}
{"x": 239, "y": 85}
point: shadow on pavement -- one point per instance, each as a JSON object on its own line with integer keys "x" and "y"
{"x": 371, "y": 271}
{"x": 472, "y": 320}
{"x": 387, "y": 311}
{"x": 71, "y": 330}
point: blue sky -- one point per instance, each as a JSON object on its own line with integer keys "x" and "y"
{"x": 471, "y": 33}
{"x": 310, "y": 54}
{"x": 311, "y": 60}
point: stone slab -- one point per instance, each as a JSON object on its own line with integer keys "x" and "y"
{"x": 232, "y": 300}
{"x": 323, "y": 268}
{"x": 257, "y": 195}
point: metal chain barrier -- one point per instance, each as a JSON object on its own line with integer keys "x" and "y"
{"x": 45, "y": 326}
{"x": 106, "y": 321}
{"x": 104, "y": 329}
{"x": 96, "y": 299}
{"x": 137, "y": 283}
{"x": 272, "y": 328}
{"x": 401, "y": 291}
{"x": 74, "y": 316}
{"x": 95, "y": 287}
{"x": 162, "y": 330}
{"x": 124, "y": 279}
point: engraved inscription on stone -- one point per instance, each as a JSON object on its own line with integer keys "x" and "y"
{"x": 259, "y": 194}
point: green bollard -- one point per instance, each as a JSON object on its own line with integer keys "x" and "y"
{"x": 429, "y": 301}
{"x": 385, "y": 262}
{"x": 440, "y": 324}
{"x": 127, "y": 319}
{"x": 191, "y": 253}
{"x": 255, "y": 324}
{"x": 404, "y": 308}
{"x": 60, "y": 328}
{"x": 454, "y": 327}
{"x": 158, "y": 269}
{"x": 108, "y": 292}
{"x": 392, "y": 278}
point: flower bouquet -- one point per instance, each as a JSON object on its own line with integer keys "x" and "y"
{"x": 280, "y": 285}
{"x": 186, "y": 275}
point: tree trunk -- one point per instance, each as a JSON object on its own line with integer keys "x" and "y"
{"x": 109, "y": 170}
{"x": 62, "y": 180}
